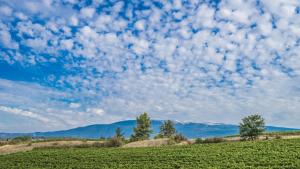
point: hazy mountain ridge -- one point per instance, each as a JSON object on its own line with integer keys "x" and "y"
{"x": 190, "y": 130}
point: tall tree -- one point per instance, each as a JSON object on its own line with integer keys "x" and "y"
{"x": 251, "y": 127}
{"x": 167, "y": 129}
{"x": 119, "y": 133}
{"x": 142, "y": 130}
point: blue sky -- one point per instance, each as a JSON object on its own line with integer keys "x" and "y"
{"x": 68, "y": 63}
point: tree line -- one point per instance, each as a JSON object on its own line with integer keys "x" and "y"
{"x": 249, "y": 129}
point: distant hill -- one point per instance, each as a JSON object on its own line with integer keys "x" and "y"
{"x": 190, "y": 130}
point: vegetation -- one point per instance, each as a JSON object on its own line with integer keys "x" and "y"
{"x": 143, "y": 129}
{"x": 209, "y": 140}
{"x": 117, "y": 141}
{"x": 21, "y": 139}
{"x": 114, "y": 142}
{"x": 251, "y": 127}
{"x": 167, "y": 129}
{"x": 283, "y": 133}
{"x": 179, "y": 138}
{"x": 283, "y": 154}
{"x": 119, "y": 134}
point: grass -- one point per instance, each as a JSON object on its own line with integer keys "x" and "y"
{"x": 284, "y": 133}
{"x": 278, "y": 133}
{"x": 258, "y": 154}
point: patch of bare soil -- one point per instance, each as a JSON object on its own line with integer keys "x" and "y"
{"x": 148, "y": 143}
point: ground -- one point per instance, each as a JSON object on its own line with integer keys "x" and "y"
{"x": 276, "y": 153}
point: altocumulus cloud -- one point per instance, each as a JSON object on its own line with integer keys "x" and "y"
{"x": 70, "y": 63}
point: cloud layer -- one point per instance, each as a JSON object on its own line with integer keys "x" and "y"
{"x": 81, "y": 62}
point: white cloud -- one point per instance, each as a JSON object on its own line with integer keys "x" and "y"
{"x": 87, "y": 12}
{"x": 75, "y": 105}
{"x": 195, "y": 64}
{"x": 24, "y": 113}
{"x": 21, "y": 16}
{"x": 67, "y": 44}
{"x": 74, "y": 20}
{"x": 6, "y": 40}
{"x": 32, "y": 7}
{"x": 7, "y": 11}
{"x": 36, "y": 43}
{"x": 96, "y": 111}
{"x": 140, "y": 25}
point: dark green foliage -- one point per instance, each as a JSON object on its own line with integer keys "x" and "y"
{"x": 21, "y": 139}
{"x": 179, "y": 138}
{"x": 158, "y": 136}
{"x": 209, "y": 140}
{"x": 142, "y": 130}
{"x": 119, "y": 134}
{"x": 167, "y": 129}
{"x": 277, "y": 154}
{"x": 251, "y": 127}
{"x": 115, "y": 142}
{"x": 199, "y": 141}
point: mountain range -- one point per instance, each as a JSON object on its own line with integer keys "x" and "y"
{"x": 190, "y": 130}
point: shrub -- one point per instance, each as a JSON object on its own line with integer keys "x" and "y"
{"x": 199, "y": 141}
{"x": 158, "y": 136}
{"x": 179, "y": 137}
{"x": 209, "y": 140}
{"x": 21, "y": 139}
{"x": 98, "y": 144}
{"x": 2, "y": 143}
{"x": 55, "y": 144}
{"x": 114, "y": 142}
{"x": 171, "y": 142}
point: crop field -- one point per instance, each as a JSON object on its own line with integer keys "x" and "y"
{"x": 260, "y": 154}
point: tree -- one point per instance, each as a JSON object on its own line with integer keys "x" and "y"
{"x": 251, "y": 127}
{"x": 167, "y": 129}
{"x": 119, "y": 133}
{"x": 142, "y": 130}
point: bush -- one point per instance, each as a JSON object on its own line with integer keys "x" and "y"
{"x": 209, "y": 140}
{"x": 2, "y": 143}
{"x": 179, "y": 138}
{"x": 171, "y": 142}
{"x": 199, "y": 141}
{"x": 114, "y": 142}
{"x": 21, "y": 139}
{"x": 98, "y": 144}
{"x": 158, "y": 136}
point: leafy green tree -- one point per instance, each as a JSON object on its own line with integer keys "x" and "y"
{"x": 142, "y": 130}
{"x": 119, "y": 133}
{"x": 167, "y": 129}
{"x": 251, "y": 127}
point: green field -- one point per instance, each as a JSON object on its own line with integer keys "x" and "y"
{"x": 260, "y": 154}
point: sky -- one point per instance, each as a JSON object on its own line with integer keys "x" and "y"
{"x": 70, "y": 63}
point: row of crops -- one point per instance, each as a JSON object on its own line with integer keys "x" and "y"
{"x": 261, "y": 154}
